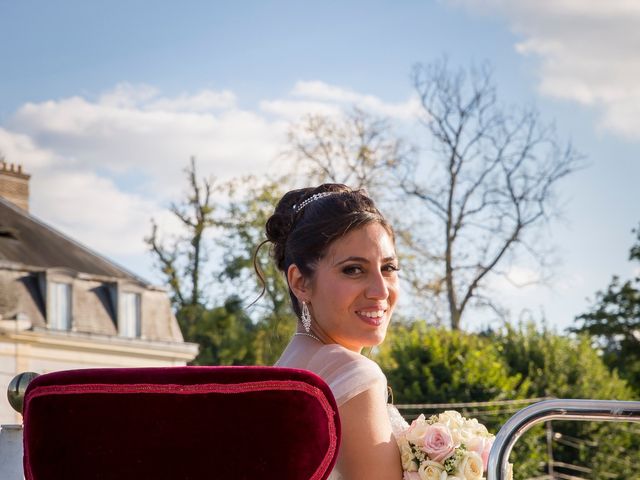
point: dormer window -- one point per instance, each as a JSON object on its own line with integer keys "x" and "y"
{"x": 129, "y": 319}
{"x": 59, "y": 306}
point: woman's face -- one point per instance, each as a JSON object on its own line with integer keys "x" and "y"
{"x": 355, "y": 288}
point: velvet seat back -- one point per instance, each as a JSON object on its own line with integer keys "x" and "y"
{"x": 180, "y": 423}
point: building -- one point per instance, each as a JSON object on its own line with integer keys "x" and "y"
{"x": 64, "y": 306}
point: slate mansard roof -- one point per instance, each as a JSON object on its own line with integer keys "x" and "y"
{"x": 32, "y": 252}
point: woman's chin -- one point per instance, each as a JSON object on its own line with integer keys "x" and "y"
{"x": 376, "y": 338}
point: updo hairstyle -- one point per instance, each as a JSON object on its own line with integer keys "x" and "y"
{"x": 302, "y": 236}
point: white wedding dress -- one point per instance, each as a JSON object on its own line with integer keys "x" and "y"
{"x": 347, "y": 373}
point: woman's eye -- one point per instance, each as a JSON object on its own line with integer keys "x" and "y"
{"x": 390, "y": 268}
{"x": 352, "y": 270}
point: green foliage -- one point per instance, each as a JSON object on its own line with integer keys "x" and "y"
{"x": 225, "y": 334}
{"x": 558, "y": 366}
{"x": 251, "y": 203}
{"x": 614, "y": 323}
{"x": 272, "y": 335}
{"x": 437, "y": 365}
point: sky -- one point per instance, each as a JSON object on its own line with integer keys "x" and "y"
{"x": 103, "y": 103}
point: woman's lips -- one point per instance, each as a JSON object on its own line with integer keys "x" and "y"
{"x": 372, "y": 317}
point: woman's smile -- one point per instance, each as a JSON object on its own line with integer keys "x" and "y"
{"x": 372, "y": 316}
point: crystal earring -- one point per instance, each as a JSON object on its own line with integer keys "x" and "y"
{"x": 305, "y": 317}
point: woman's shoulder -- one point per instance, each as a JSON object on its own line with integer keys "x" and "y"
{"x": 346, "y": 372}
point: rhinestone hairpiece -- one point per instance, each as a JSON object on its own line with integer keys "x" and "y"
{"x": 311, "y": 199}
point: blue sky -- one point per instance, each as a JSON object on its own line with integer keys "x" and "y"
{"x": 104, "y": 103}
{"x": 254, "y": 48}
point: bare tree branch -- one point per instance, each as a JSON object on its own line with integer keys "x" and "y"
{"x": 184, "y": 260}
{"x": 496, "y": 180}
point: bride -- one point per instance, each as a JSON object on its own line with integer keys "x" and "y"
{"x": 338, "y": 254}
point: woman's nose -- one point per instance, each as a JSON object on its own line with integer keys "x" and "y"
{"x": 377, "y": 288}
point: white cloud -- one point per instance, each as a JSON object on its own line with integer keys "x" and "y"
{"x": 147, "y": 97}
{"x": 92, "y": 210}
{"x": 325, "y": 99}
{"x": 19, "y": 148}
{"x": 323, "y": 92}
{"x": 128, "y": 95}
{"x": 117, "y": 136}
{"x": 295, "y": 109}
{"x": 588, "y": 51}
{"x": 200, "y": 102}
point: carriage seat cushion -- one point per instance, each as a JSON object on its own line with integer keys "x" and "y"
{"x": 180, "y": 423}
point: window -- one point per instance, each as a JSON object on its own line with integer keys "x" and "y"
{"x": 130, "y": 315}
{"x": 60, "y": 306}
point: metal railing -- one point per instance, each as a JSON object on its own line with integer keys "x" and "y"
{"x": 559, "y": 409}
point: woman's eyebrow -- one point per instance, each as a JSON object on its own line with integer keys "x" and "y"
{"x": 363, "y": 260}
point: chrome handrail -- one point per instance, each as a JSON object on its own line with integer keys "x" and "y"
{"x": 559, "y": 409}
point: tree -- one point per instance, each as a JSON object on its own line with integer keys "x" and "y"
{"x": 229, "y": 333}
{"x": 356, "y": 149}
{"x": 225, "y": 334}
{"x": 182, "y": 262}
{"x": 250, "y": 203}
{"x": 476, "y": 208}
{"x": 491, "y": 186}
{"x": 614, "y": 323}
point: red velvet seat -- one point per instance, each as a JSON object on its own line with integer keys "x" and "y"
{"x": 180, "y": 423}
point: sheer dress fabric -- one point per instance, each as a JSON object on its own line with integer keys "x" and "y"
{"x": 347, "y": 373}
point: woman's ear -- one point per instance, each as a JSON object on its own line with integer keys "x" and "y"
{"x": 297, "y": 282}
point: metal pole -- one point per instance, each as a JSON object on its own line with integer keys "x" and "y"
{"x": 550, "y": 450}
{"x": 560, "y": 409}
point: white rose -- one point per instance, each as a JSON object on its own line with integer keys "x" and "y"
{"x": 407, "y": 457}
{"x": 430, "y": 470}
{"x": 451, "y": 419}
{"x": 463, "y": 435}
{"x": 470, "y": 467}
{"x": 476, "y": 427}
{"x": 415, "y": 432}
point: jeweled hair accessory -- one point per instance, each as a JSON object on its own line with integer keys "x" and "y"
{"x": 311, "y": 199}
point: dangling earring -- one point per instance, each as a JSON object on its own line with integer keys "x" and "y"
{"x": 305, "y": 317}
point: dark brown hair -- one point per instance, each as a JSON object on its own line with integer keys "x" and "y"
{"x": 302, "y": 236}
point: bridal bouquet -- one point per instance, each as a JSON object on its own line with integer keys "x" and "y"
{"x": 445, "y": 447}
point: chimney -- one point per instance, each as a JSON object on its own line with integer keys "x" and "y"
{"x": 14, "y": 185}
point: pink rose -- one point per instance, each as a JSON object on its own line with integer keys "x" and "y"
{"x": 411, "y": 476}
{"x": 438, "y": 443}
{"x": 482, "y": 446}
